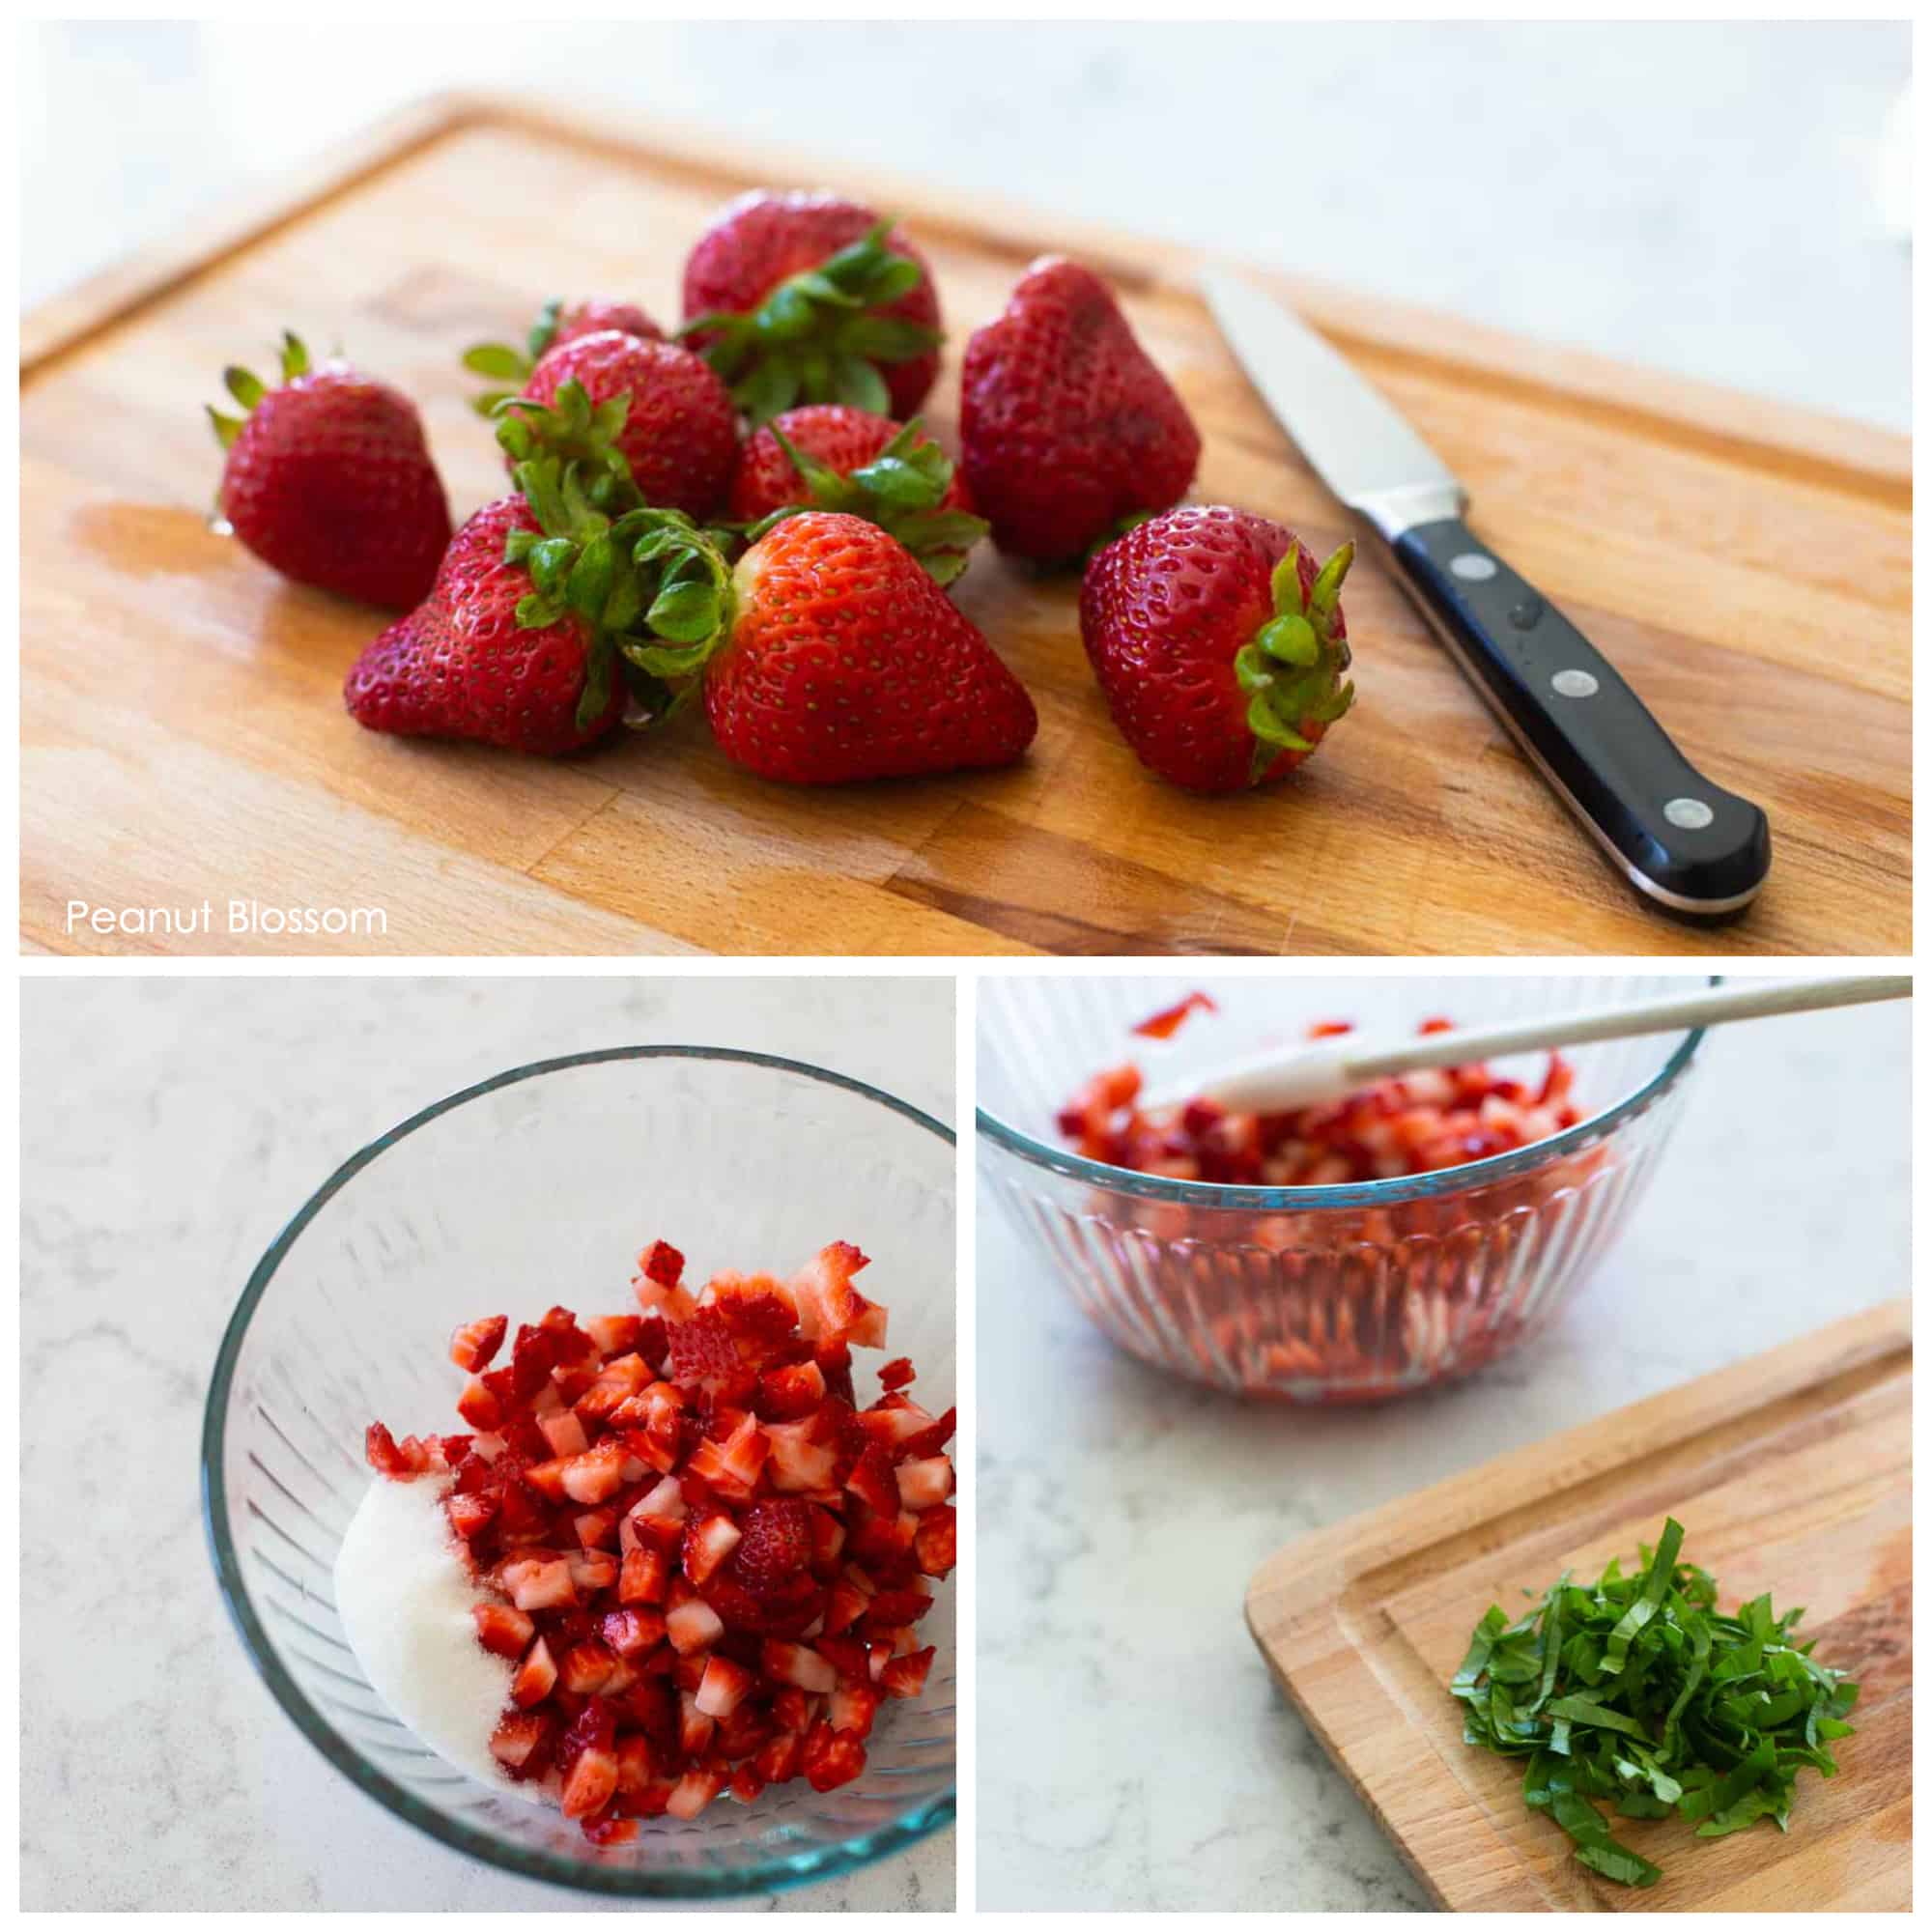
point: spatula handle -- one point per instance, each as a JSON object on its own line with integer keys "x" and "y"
{"x": 1684, "y": 842}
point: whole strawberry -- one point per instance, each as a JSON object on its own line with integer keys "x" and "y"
{"x": 519, "y": 644}
{"x": 648, "y": 413}
{"x": 828, "y": 456}
{"x": 845, "y": 661}
{"x": 1065, "y": 426}
{"x": 557, "y": 321}
{"x": 1219, "y": 645}
{"x": 806, "y": 298}
{"x": 328, "y": 480}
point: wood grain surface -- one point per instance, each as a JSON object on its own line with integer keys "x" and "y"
{"x": 1792, "y": 1474}
{"x": 182, "y": 737}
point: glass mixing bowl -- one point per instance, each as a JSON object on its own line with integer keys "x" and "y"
{"x": 1346, "y": 1294}
{"x": 538, "y": 1186}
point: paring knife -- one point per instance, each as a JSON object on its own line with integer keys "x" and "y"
{"x": 1686, "y": 843}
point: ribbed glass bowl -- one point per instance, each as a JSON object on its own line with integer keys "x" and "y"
{"x": 536, "y": 1187}
{"x": 1351, "y": 1293}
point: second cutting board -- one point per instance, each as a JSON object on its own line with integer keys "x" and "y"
{"x": 1792, "y": 1474}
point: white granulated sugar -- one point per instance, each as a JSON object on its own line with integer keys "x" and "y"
{"x": 405, "y": 1595}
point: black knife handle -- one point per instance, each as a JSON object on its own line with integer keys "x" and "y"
{"x": 1684, "y": 841}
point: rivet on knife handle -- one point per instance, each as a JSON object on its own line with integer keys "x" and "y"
{"x": 1686, "y": 843}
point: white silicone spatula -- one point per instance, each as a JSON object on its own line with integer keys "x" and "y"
{"x": 1284, "y": 1078}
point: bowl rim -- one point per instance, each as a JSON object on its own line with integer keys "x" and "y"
{"x": 799, "y": 1868}
{"x": 1348, "y": 1194}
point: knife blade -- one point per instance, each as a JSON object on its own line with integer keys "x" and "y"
{"x": 1684, "y": 841}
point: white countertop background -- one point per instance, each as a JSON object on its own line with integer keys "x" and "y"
{"x": 171, "y": 1128}
{"x": 1727, "y": 201}
{"x": 1134, "y": 1752}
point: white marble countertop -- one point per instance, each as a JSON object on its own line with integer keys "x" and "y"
{"x": 1135, "y": 1754}
{"x": 1724, "y": 200}
{"x": 171, "y": 1126}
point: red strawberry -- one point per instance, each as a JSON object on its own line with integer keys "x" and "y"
{"x": 1065, "y": 426}
{"x": 648, "y": 412}
{"x": 829, "y": 457}
{"x": 1220, "y": 647}
{"x": 808, "y": 297}
{"x": 774, "y": 1547}
{"x": 518, "y": 643}
{"x": 330, "y": 481}
{"x": 557, "y": 321}
{"x": 847, "y": 662}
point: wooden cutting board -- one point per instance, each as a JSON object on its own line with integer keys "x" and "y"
{"x": 183, "y": 736}
{"x": 1791, "y": 1472}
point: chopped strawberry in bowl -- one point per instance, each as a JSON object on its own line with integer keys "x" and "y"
{"x": 1402, "y": 1237}
{"x": 625, "y": 1565}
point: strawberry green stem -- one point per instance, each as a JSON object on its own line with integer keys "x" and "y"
{"x": 1292, "y": 668}
{"x": 900, "y": 490}
{"x": 816, "y": 337}
{"x": 653, "y": 589}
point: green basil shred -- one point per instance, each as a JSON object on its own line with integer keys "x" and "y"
{"x": 1634, "y": 1692}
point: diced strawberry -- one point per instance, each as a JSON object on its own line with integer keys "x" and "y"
{"x": 844, "y": 1606}
{"x": 564, "y": 1433}
{"x": 535, "y": 1677}
{"x": 896, "y": 1374}
{"x": 776, "y": 1545}
{"x": 521, "y": 1742}
{"x": 610, "y": 1831}
{"x": 797, "y": 1665}
{"x": 926, "y": 1482}
{"x": 635, "y": 1766}
{"x": 827, "y": 1541}
{"x": 905, "y": 1676}
{"x": 591, "y": 1783}
{"x": 823, "y": 1291}
{"x": 694, "y": 1728}
{"x": 852, "y": 1708}
{"x": 835, "y": 1364}
{"x": 532, "y": 1358}
{"x": 849, "y": 1656}
{"x": 937, "y": 1541}
{"x": 591, "y": 1570}
{"x": 662, "y": 1262}
{"x": 645, "y": 1576}
{"x": 471, "y": 1512}
{"x": 665, "y": 1499}
{"x": 487, "y": 1447}
{"x": 890, "y": 1609}
{"x": 748, "y": 1783}
{"x": 547, "y": 1478}
{"x": 788, "y": 1393}
{"x": 595, "y": 1527}
{"x": 780, "y": 1760}
{"x": 694, "y": 1790}
{"x": 866, "y": 1329}
{"x": 384, "y": 1454}
{"x": 614, "y": 1334}
{"x": 832, "y": 1758}
{"x": 799, "y": 1458}
{"x": 733, "y": 1466}
{"x": 708, "y": 1540}
{"x": 474, "y": 1346}
{"x": 501, "y": 1630}
{"x": 633, "y": 1633}
{"x": 693, "y": 1626}
{"x": 724, "y": 1689}
{"x": 931, "y": 1440}
{"x": 479, "y": 1405}
{"x": 584, "y": 1668}
{"x": 540, "y": 1583}
{"x": 596, "y": 1475}
{"x": 873, "y": 1483}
